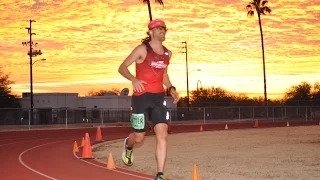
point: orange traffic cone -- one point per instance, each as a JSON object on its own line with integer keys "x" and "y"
{"x": 226, "y": 127}
{"x": 99, "y": 135}
{"x": 256, "y": 124}
{"x": 195, "y": 173}
{"x": 75, "y": 147}
{"x": 87, "y": 150}
{"x": 201, "y": 128}
{"x": 82, "y": 142}
{"x": 110, "y": 164}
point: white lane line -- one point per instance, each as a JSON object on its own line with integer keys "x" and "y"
{"x": 126, "y": 173}
{"x": 31, "y": 169}
{"x": 134, "y": 175}
{"x": 52, "y": 178}
{"x": 24, "y": 141}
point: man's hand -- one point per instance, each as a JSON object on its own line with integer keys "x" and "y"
{"x": 138, "y": 85}
{"x": 175, "y": 95}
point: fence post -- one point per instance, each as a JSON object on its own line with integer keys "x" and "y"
{"x": 273, "y": 114}
{"x": 204, "y": 115}
{"x": 29, "y": 119}
{"x": 252, "y": 112}
{"x": 267, "y": 108}
{"x": 66, "y": 118}
{"x": 101, "y": 116}
{"x": 285, "y": 112}
{"x": 306, "y": 113}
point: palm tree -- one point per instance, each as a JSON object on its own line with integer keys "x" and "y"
{"x": 149, "y": 7}
{"x": 261, "y": 7}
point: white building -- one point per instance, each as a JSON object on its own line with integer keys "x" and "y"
{"x": 73, "y": 100}
{"x": 57, "y": 108}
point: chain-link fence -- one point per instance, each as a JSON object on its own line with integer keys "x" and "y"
{"x": 51, "y": 116}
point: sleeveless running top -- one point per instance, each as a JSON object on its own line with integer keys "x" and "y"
{"x": 151, "y": 70}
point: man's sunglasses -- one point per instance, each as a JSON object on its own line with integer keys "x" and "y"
{"x": 159, "y": 28}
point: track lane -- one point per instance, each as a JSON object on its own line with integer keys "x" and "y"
{"x": 56, "y": 161}
{"x": 11, "y": 150}
{"x": 50, "y": 151}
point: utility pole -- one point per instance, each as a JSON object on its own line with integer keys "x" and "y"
{"x": 31, "y": 53}
{"x": 187, "y": 72}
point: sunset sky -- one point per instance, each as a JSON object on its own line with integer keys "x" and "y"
{"x": 85, "y": 41}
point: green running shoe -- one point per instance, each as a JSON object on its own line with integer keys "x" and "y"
{"x": 160, "y": 177}
{"x": 127, "y": 155}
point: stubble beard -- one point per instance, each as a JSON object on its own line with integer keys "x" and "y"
{"x": 163, "y": 38}
{"x": 159, "y": 38}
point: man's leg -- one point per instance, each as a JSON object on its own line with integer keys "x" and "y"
{"x": 127, "y": 154}
{"x": 135, "y": 137}
{"x": 159, "y": 117}
{"x": 138, "y": 124}
{"x": 161, "y": 131}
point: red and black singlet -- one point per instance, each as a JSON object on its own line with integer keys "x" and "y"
{"x": 151, "y": 70}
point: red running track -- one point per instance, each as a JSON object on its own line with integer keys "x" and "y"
{"x": 47, "y": 154}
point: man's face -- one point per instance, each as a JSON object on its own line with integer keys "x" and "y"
{"x": 159, "y": 33}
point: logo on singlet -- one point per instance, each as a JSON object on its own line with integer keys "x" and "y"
{"x": 158, "y": 64}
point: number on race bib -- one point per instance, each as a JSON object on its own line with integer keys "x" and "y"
{"x": 137, "y": 121}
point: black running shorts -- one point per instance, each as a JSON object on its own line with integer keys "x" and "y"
{"x": 145, "y": 106}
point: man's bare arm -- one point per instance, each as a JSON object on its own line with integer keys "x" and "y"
{"x": 123, "y": 68}
{"x": 166, "y": 79}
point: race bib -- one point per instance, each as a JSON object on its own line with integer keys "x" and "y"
{"x": 137, "y": 121}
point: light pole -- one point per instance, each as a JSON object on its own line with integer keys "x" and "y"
{"x": 188, "y": 84}
{"x": 187, "y": 73}
{"x": 31, "y": 53}
{"x": 200, "y": 84}
{"x": 31, "y": 86}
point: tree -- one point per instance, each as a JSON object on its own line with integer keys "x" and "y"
{"x": 300, "y": 94}
{"x": 316, "y": 93}
{"x": 102, "y": 92}
{"x": 149, "y": 6}
{"x": 216, "y": 96}
{"x": 260, "y": 6}
{"x": 183, "y": 102}
{"x": 7, "y": 98}
{"x": 211, "y": 96}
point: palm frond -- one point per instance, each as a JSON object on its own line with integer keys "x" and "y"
{"x": 264, "y": 10}
{"x": 267, "y": 9}
{"x": 264, "y": 3}
{"x": 250, "y": 13}
{"x": 249, "y": 7}
{"x": 159, "y": 1}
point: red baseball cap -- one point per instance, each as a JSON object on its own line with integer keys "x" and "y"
{"x": 155, "y": 23}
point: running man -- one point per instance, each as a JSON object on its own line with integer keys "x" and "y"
{"x": 151, "y": 59}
